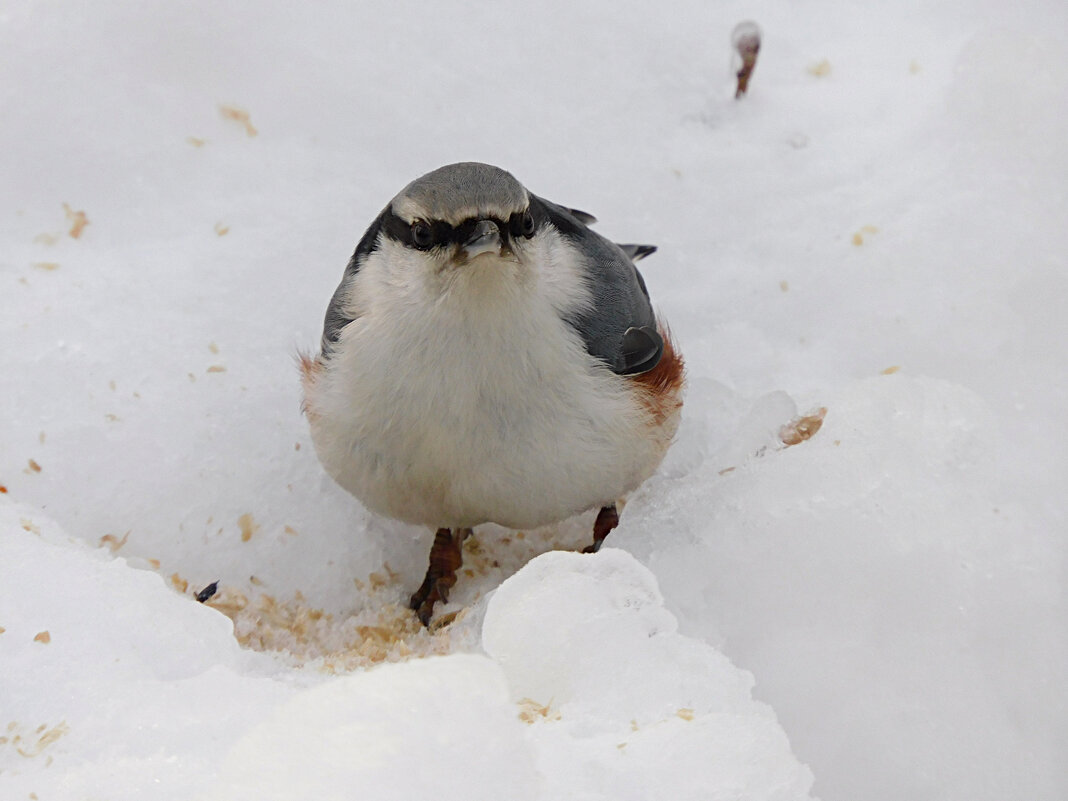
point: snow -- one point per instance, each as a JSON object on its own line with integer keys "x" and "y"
{"x": 146, "y": 692}
{"x": 393, "y": 733}
{"x": 640, "y": 708}
{"x": 141, "y": 687}
{"x": 877, "y": 230}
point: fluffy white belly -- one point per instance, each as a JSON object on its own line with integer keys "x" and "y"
{"x": 454, "y": 416}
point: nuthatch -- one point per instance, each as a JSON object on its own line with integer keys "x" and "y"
{"x": 489, "y": 358}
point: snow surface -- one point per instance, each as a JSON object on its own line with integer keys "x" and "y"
{"x": 882, "y": 604}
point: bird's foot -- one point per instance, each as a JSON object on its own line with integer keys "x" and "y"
{"x": 607, "y": 519}
{"x": 446, "y": 556}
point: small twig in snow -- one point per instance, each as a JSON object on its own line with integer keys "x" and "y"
{"x": 745, "y": 38}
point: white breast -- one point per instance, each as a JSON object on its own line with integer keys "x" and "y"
{"x": 461, "y": 397}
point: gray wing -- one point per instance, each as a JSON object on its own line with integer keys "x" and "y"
{"x": 620, "y": 328}
{"x": 336, "y": 319}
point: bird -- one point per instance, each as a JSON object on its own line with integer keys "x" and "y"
{"x": 488, "y": 358}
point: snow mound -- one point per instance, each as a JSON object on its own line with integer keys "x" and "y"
{"x": 623, "y": 705}
{"x": 104, "y": 652}
{"x": 887, "y": 551}
{"x": 434, "y": 728}
{"x": 587, "y": 692}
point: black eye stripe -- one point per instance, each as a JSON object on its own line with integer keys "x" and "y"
{"x": 401, "y": 231}
{"x": 519, "y": 224}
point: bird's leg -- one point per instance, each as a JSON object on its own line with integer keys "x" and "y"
{"x": 607, "y": 519}
{"x": 446, "y": 556}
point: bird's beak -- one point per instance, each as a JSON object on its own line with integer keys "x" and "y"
{"x": 486, "y": 238}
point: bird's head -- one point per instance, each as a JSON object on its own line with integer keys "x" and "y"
{"x": 461, "y": 218}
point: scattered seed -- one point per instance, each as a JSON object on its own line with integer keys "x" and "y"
{"x": 77, "y": 220}
{"x": 114, "y": 543}
{"x": 530, "y": 710}
{"x": 820, "y": 69}
{"x": 46, "y": 739}
{"x": 248, "y": 526}
{"x": 867, "y": 230}
{"x": 802, "y": 428}
{"x": 239, "y": 115}
{"x": 208, "y": 591}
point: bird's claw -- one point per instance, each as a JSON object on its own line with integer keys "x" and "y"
{"x": 446, "y": 557}
{"x": 607, "y": 519}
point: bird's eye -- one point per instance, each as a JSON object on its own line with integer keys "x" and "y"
{"x": 422, "y": 235}
{"x": 522, "y": 224}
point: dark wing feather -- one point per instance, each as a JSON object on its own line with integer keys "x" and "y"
{"x": 638, "y": 252}
{"x": 642, "y": 349}
{"x": 336, "y": 319}
{"x": 583, "y": 217}
{"x": 620, "y": 328}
